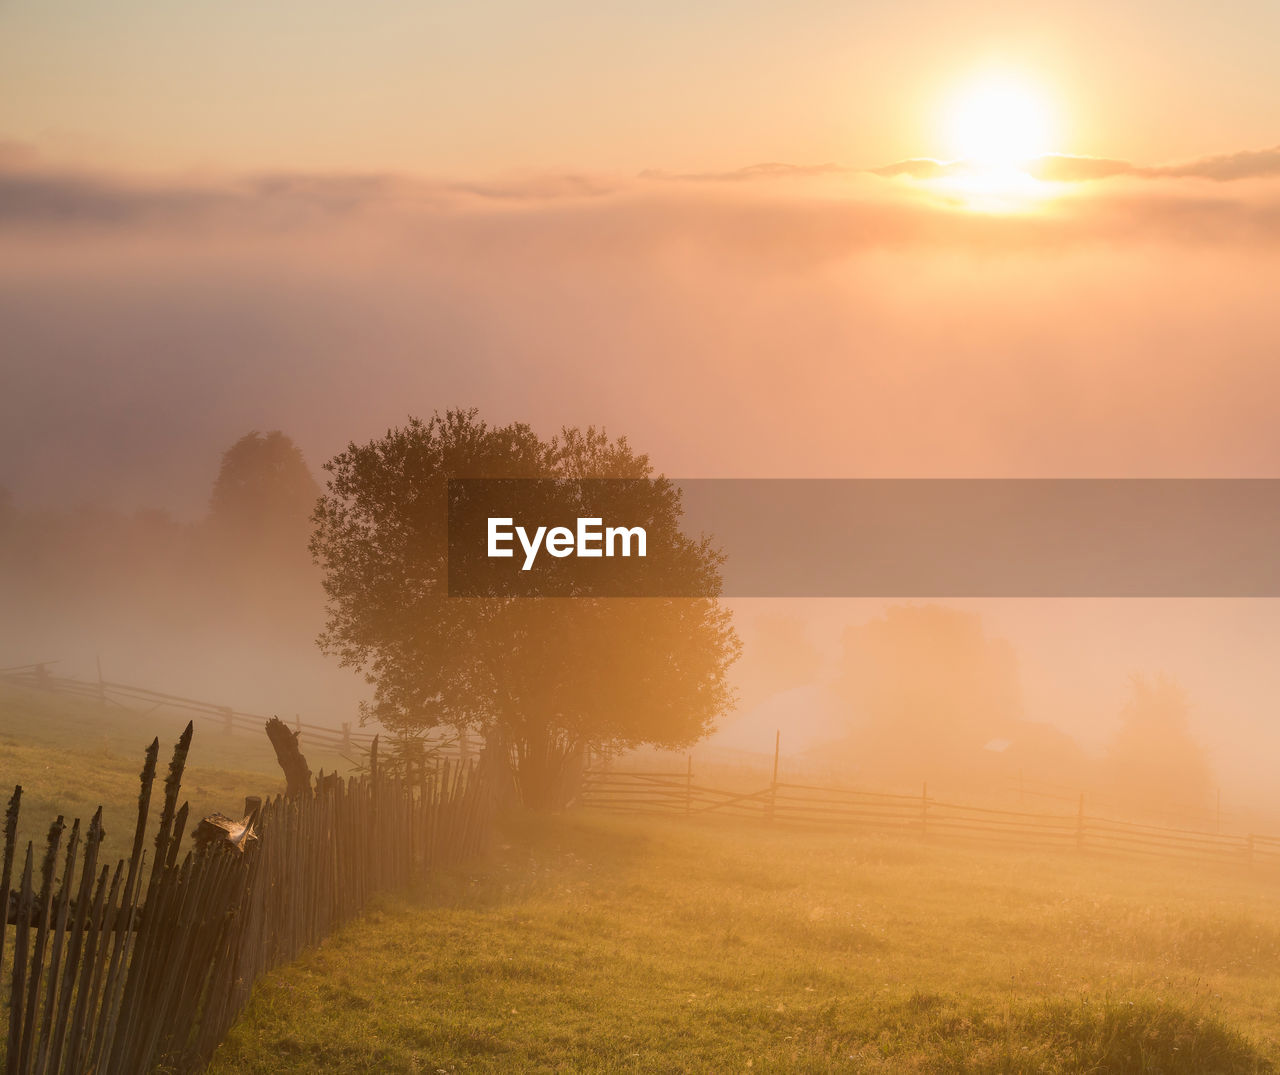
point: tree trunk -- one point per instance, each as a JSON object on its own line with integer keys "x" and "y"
{"x": 296, "y": 771}
{"x": 549, "y": 770}
{"x": 495, "y": 767}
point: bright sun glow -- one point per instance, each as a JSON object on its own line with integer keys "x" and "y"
{"x": 999, "y": 123}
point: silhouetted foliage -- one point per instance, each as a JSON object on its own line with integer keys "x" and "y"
{"x": 219, "y": 608}
{"x": 264, "y": 491}
{"x": 259, "y": 524}
{"x": 540, "y": 678}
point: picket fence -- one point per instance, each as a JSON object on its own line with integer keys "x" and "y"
{"x": 144, "y": 967}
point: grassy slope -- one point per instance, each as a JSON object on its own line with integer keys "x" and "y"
{"x": 588, "y": 943}
{"x": 70, "y": 756}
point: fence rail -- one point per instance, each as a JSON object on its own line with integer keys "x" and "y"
{"x": 128, "y": 969}
{"x": 107, "y": 693}
{"x": 676, "y": 793}
{"x": 735, "y": 765}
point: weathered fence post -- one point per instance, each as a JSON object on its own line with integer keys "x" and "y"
{"x": 21, "y": 939}
{"x": 228, "y": 719}
{"x": 42, "y": 906}
{"x": 296, "y": 771}
{"x": 6, "y": 870}
{"x": 103, "y": 978}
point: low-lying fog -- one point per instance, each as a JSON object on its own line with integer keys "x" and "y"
{"x": 804, "y": 326}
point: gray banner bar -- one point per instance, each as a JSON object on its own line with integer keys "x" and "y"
{"x": 921, "y": 538}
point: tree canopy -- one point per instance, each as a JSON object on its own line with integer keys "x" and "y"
{"x": 539, "y": 677}
{"x": 264, "y": 491}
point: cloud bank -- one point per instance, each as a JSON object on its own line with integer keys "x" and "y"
{"x": 769, "y": 321}
{"x": 777, "y": 210}
{"x": 1064, "y": 168}
{"x": 774, "y": 321}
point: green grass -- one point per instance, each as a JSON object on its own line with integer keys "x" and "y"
{"x": 70, "y": 756}
{"x": 589, "y": 943}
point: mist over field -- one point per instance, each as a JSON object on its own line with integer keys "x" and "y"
{"x": 766, "y": 322}
{"x": 273, "y": 276}
{"x": 758, "y": 327}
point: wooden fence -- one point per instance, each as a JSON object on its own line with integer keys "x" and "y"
{"x": 1004, "y": 786}
{"x": 230, "y": 720}
{"x": 131, "y": 969}
{"x": 677, "y": 793}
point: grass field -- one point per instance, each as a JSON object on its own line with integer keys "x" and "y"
{"x": 588, "y": 943}
{"x": 591, "y": 943}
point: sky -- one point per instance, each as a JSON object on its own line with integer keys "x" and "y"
{"x": 760, "y": 240}
{"x": 489, "y": 87}
{"x": 724, "y": 231}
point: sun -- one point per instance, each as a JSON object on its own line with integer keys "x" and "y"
{"x": 999, "y": 122}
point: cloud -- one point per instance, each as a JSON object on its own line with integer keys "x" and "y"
{"x": 1061, "y": 168}
{"x": 774, "y": 321}
{"x": 802, "y": 211}
{"x": 812, "y": 215}
{"x": 1248, "y": 164}
{"x": 823, "y": 323}
{"x": 918, "y": 168}
{"x": 767, "y": 170}
{"x": 1055, "y": 167}
{"x": 30, "y": 195}
{"x": 1066, "y": 168}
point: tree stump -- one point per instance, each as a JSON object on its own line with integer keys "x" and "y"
{"x": 297, "y": 773}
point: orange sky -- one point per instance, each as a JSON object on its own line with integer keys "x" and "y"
{"x": 223, "y": 217}
{"x": 497, "y": 85}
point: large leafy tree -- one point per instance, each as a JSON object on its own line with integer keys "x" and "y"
{"x": 539, "y": 677}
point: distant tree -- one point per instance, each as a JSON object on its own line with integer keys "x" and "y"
{"x": 264, "y": 492}
{"x": 540, "y": 678}
{"x": 927, "y": 689}
{"x": 1153, "y": 755}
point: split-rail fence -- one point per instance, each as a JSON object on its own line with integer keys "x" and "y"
{"x": 143, "y": 699}
{"x": 678, "y": 793}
